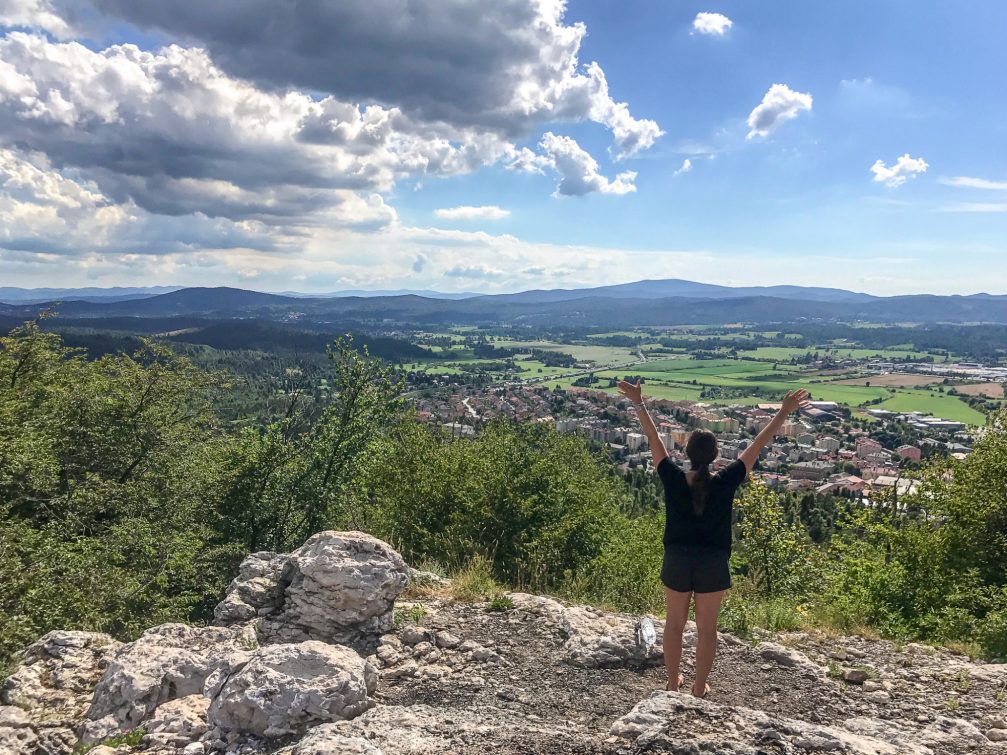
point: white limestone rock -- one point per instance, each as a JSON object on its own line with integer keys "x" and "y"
{"x": 165, "y": 663}
{"x": 177, "y": 723}
{"x": 286, "y": 688}
{"x": 671, "y": 721}
{"x": 596, "y": 639}
{"x": 17, "y": 740}
{"x": 59, "y": 673}
{"x": 420, "y": 730}
{"x": 941, "y": 733}
{"x": 788, "y": 657}
{"x": 339, "y": 587}
{"x": 540, "y": 605}
{"x": 255, "y": 591}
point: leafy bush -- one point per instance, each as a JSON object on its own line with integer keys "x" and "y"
{"x": 536, "y": 504}
{"x": 107, "y": 489}
{"x": 625, "y": 575}
{"x": 777, "y": 557}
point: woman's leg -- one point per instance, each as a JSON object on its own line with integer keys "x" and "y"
{"x": 676, "y": 614}
{"x": 707, "y": 610}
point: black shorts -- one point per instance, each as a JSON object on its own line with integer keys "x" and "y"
{"x": 692, "y": 568}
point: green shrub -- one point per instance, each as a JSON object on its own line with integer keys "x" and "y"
{"x": 403, "y": 615}
{"x": 475, "y": 580}
{"x": 499, "y": 602}
{"x": 626, "y": 574}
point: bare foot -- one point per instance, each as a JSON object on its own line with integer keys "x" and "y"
{"x": 705, "y": 691}
{"x": 681, "y": 681}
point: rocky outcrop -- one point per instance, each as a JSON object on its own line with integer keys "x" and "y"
{"x": 397, "y": 730}
{"x": 306, "y": 659}
{"x": 674, "y": 722}
{"x": 595, "y": 639}
{"x": 44, "y": 700}
{"x": 58, "y": 673}
{"x": 784, "y": 656}
{"x": 165, "y": 663}
{"x": 177, "y": 723}
{"x": 285, "y": 689}
{"x": 339, "y": 587}
{"x": 255, "y": 591}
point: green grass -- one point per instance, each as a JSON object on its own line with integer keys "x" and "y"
{"x": 530, "y": 369}
{"x": 937, "y": 404}
{"x": 581, "y": 352}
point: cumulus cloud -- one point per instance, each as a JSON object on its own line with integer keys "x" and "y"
{"x": 270, "y": 135}
{"x": 34, "y": 14}
{"x": 578, "y": 171}
{"x": 714, "y": 24}
{"x": 686, "y": 167}
{"x": 474, "y": 272}
{"x": 465, "y": 212}
{"x": 48, "y": 212}
{"x": 780, "y": 104}
{"x": 902, "y": 169}
{"x": 505, "y": 67}
{"x": 170, "y": 132}
{"x": 968, "y": 182}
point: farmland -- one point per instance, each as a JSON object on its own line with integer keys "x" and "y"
{"x": 731, "y": 374}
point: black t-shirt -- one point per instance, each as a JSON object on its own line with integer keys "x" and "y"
{"x": 712, "y": 528}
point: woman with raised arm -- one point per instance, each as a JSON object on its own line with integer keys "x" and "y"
{"x": 697, "y": 531}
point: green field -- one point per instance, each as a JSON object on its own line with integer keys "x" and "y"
{"x": 783, "y": 353}
{"x": 582, "y": 353}
{"x": 764, "y": 374}
{"x": 937, "y": 404}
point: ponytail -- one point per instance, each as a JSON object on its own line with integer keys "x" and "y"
{"x": 699, "y": 487}
{"x": 701, "y": 449}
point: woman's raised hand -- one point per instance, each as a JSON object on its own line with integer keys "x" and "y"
{"x": 794, "y": 400}
{"x": 632, "y": 391}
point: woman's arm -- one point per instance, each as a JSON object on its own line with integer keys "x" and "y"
{"x": 634, "y": 393}
{"x": 791, "y": 402}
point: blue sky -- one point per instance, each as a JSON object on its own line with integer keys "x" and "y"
{"x": 473, "y": 169}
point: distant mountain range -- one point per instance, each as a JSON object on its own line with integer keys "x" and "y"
{"x": 648, "y": 302}
{"x": 673, "y": 287}
{"x": 13, "y": 295}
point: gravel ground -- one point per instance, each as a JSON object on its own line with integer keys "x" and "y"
{"x": 532, "y": 680}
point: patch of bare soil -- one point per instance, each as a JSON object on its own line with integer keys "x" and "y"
{"x": 891, "y": 380}
{"x": 990, "y": 390}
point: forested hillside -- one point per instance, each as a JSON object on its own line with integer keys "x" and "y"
{"x": 125, "y": 501}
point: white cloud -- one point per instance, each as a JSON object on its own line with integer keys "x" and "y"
{"x": 505, "y": 68}
{"x": 977, "y": 207}
{"x": 780, "y": 105}
{"x": 33, "y": 14}
{"x": 686, "y": 167}
{"x": 46, "y": 212}
{"x": 170, "y": 132}
{"x": 475, "y": 272}
{"x": 578, "y": 171}
{"x": 714, "y": 24}
{"x": 288, "y": 139}
{"x": 904, "y": 168}
{"x": 485, "y": 212}
{"x": 967, "y": 182}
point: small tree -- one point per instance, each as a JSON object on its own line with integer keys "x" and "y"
{"x": 777, "y": 556}
{"x": 297, "y": 477}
